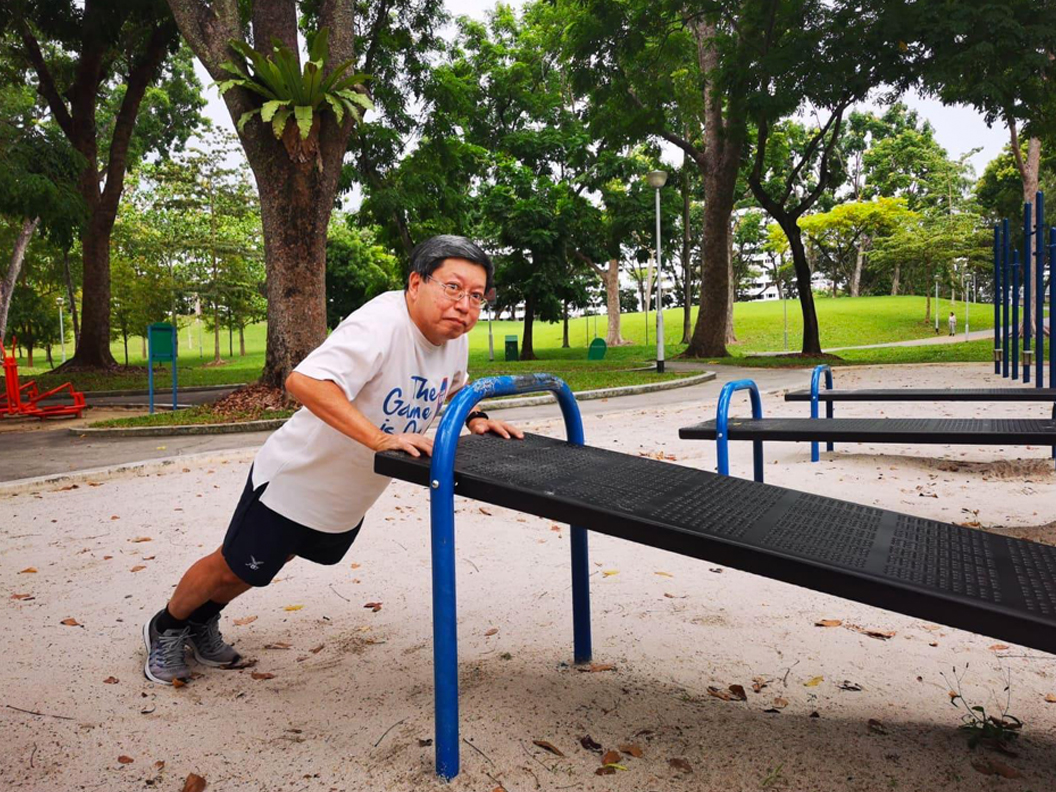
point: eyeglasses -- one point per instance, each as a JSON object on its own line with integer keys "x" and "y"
{"x": 455, "y": 293}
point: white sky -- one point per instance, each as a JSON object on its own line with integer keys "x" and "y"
{"x": 957, "y": 129}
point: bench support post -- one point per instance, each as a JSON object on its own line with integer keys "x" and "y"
{"x": 722, "y": 419}
{"x": 815, "y": 383}
{"x": 442, "y": 525}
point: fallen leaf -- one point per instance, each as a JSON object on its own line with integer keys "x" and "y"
{"x": 107, "y": 558}
{"x": 555, "y": 528}
{"x": 28, "y": 571}
{"x": 111, "y": 680}
{"x": 125, "y": 759}
{"x": 681, "y": 765}
{"x": 21, "y": 596}
{"x": 716, "y": 570}
{"x": 848, "y": 685}
{"x": 159, "y": 765}
{"x": 492, "y": 631}
{"x": 733, "y": 693}
{"x": 606, "y": 770}
{"x": 611, "y": 758}
{"x": 989, "y": 766}
{"x": 160, "y": 448}
{"x": 609, "y": 572}
{"x": 243, "y": 663}
{"x": 278, "y": 645}
{"x": 374, "y": 606}
{"x": 632, "y": 749}
{"x": 1049, "y": 697}
{"x": 758, "y": 683}
{"x": 141, "y": 539}
{"x": 356, "y": 566}
{"x": 194, "y": 783}
{"x": 880, "y": 635}
{"x": 814, "y": 682}
{"x": 114, "y": 517}
{"x": 548, "y": 746}
{"x": 664, "y": 574}
{"x": 588, "y": 743}
{"x": 484, "y": 511}
{"x": 780, "y": 703}
{"x": 293, "y": 607}
{"x": 999, "y": 647}
{"x": 245, "y": 620}
{"x": 262, "y": 675}
{"x": 424, "y": 743}
{"x": 317, "y": 649}
{"x": 876, "y": 726}
{"x": 178, "y": 683}
{"x": 70, "y": 622}
{"x": 137, "y": 568}
{"x": 594, "y": 668}
{"x": 68, "y": 488}
{"x": 828, "y": 623}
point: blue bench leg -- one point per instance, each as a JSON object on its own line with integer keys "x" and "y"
{"x": 581, "y": 647}
{"x": 445, "y": 630}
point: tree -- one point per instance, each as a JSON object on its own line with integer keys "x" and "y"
{"x": 97, "y": 64}
{"x": 358, "y": 269}
{"x": 844, "y": 235}
{"x": 34, "y": 319}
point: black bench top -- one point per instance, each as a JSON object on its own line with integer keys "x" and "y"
{"x": 930, "y": 394}
{"x": 943, "y": 431}
{"x": 994, "y": 585}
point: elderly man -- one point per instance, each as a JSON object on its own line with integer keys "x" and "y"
{"x": 376, "y": 384}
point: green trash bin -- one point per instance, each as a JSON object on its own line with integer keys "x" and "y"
{"x": 511, "y": 348}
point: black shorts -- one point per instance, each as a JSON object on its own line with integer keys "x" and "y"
{"x": 259, "y": 540}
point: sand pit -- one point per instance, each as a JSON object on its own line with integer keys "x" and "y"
{"x": 340, "y": 697}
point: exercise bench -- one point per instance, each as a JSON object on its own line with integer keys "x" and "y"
{"x": 961, "y": 577}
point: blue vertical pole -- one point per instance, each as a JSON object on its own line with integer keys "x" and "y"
{"x": 1015, "y": 314}
{"x": 1052, "y": 306}
{"x": 997, "y": 299}
{"x": 1039, "y": 280}
{"x": 1027, "y": 231}
{"x": 1005, "y": 262}
{"x": 150, "y": 370}
{"x": 815, "y": 397}
{"x": 722, "y": 421}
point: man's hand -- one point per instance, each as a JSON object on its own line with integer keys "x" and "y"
{"x": 413, "y": 444}
{"x": 501, "y": 428}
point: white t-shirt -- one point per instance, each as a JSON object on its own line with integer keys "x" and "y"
{"x": 395, "y": 376}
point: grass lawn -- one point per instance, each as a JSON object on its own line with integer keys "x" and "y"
{"x": 759, "y": 327}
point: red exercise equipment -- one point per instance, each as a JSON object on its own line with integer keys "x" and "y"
{"x": 25, "y": 400}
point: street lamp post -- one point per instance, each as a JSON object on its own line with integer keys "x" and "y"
{"x": 936, "y": 305}
{"x": 62, "y": 330}
{"x": 656, "y": 180}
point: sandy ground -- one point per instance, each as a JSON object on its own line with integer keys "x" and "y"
{"x": 349, "y": 704}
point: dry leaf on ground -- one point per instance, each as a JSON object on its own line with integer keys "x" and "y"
{"x": 194, "y": 783}
{"x": 987, "y": 765}
{"x": 548, "y": 746}
{"x": 594, "y": 668}
{"x": 733, "y": 693}
{"x": 111, "y": 680}
{"x": 681, "y": 765}
{"x": 491, "y": 632}
{"x": 609, "y": 572}
{"x": 262, "y": 675}
{"x": 125, "y": 759}
{"x": 632, "y": 749}
{"x": 374, "y": 606}
{"x": 589, "y": 744}
{"x": 828, "y": 623}
{"x": 606, "y": 770}
{"x": 70, "y": 622}
{"x": 141, "y": 539}
{"x": 28, "y": 571}
{"x": 278, "y": 645}
{"x": 814, "y": 681}
{"x": 846, "y": 684}
{"x": 999, "y": 647}
{"x": 21, "y": 596}
{"x": 1049, "y": 697}
{"x": 137, "y": 568}
{"x": 317, "y": 649}
{"x": 611, "y": 757}
{"x": 245, "y": 620}
{"x": 293, "y": 607}
{"x": 758, "y": 683}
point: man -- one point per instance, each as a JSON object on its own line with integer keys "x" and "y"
{"x": 953, "y": 323}
{"x": 375, "y": 384}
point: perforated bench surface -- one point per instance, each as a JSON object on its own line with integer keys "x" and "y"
{"x": 943, "y": 431}
{"x": 930, "y": 394}
{"x": 994, "y": 585}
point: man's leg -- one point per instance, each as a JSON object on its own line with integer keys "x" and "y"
{"x": 208, "y": 579}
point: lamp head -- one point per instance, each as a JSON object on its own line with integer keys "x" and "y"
{"x": 656, "y": 179}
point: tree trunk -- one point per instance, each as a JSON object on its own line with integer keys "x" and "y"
{"x": 73, "y": 302}
{"x": 28, "y": 344}
{"x": 731, "y": 291}
{"x": 216, "y": 334}
{"x": 927, "y": 308}
{"x": 564, "y": 320}
{"x": 144, "y": 340}
{"x": 241, "y": 341}
{"x": 124, "y": 337}
{"x": 811, "y": 340}
{"x": 894, "y": 280}
{"x": 18, "y": 255}
{"x": 1029, "y": 167}
{"x": 527, "y": 350}
{"x": 612, "y": 304}
{"x": 687, "y": 265}
{"x": 47, "y": 356}
{"x": 856, "y": 278}
{"x": 93, "y": 351}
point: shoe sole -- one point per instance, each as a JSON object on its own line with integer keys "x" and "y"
{"x": 146, "y": 663}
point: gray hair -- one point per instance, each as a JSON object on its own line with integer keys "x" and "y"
{"x": 429, "y": 255}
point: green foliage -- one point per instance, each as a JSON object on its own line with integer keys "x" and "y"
{"x": 357, "y": 269}
{"x": 996, "y": 731}
{"x": 292, "y": 94}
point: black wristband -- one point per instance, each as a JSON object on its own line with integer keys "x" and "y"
{"x": 474, "y": 415}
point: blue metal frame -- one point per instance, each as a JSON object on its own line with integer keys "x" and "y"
{"x": 1039, "y": 280}
{"x": 1015, "y": 314}
{"x": 1052, "y": 307}
{"x": 722, "y": 419}
{"x": 1027, "y": 231}
{"x": 1005, "y": 262}
{"x": 815, "y": 381}
{"x": 442, "y": 518}
{"x": 997, "y": 299}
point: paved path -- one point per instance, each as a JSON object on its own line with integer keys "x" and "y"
{"x": 50, "y": 451}
{"x": 927, "y": 341}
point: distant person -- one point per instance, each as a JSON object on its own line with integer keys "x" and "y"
{"x": 375, "y": 384}
{"x": 953, "y": 323}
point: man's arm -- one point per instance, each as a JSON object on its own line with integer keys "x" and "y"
{"x": 328, "y": 403}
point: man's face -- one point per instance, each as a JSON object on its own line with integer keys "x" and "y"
{"x": 440, "y": 317}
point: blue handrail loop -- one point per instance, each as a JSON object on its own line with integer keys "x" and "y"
{"x": 815, "y": 396}
{"x": 722, "y": 421}
{"x": 442, "y": 524}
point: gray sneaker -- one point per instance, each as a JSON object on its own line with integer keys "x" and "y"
{"x": 209, "y": 646}
{"x": 165, "y": 653}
